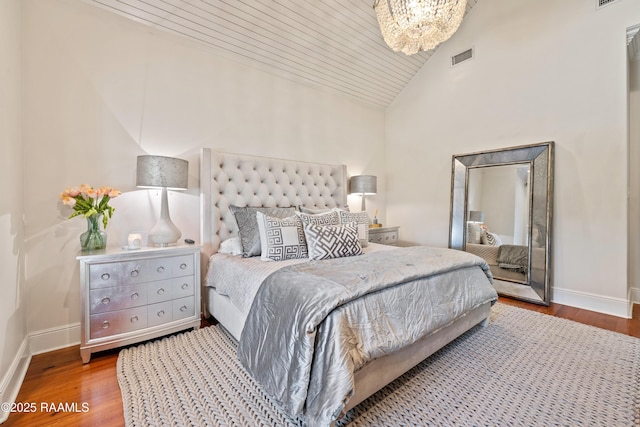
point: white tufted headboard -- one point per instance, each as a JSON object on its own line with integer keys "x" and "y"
{"x": 241, "y": 180}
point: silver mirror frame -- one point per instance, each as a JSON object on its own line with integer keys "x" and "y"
{"x": 540, "y": 157}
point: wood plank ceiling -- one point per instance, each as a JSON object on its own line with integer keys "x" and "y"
{"x": 330, "y": 44}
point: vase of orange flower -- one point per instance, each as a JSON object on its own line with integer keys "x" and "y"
{"x": 93, "y": 204}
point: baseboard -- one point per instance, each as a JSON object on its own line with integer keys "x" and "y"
{"x": 635, "y": 295}
{"x": 12, "y": 381}
{"x": 614, "y": 306}
{"x": 55, "y": 338}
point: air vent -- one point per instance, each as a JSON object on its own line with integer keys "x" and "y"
{"x": 461, "y": 57}
{"x": 603, "y": 3}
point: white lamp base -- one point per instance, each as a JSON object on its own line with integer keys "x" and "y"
{"x": 164, "y": 232}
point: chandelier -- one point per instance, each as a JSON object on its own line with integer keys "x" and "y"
{"x": 412, "y": 25}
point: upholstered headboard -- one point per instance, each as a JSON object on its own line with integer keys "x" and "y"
{"x": 241, "y": 180}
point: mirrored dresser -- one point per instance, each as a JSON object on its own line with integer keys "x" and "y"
{"x": 130, "y": 296}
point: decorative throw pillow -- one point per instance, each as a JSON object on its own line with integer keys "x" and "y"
{"x": 332, "y": 241}
{"x": 492, "y": 239}
{"x": 231, "y": 246}
{"x": 362, "y": 220}
{"x": 281, "y": 238}
{"x": 474, "y": 233}
{"x": 316, "y": 211}
{"x": 248, "y": 227}
{"x": 328, "y": 218}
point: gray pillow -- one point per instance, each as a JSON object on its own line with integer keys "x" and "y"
{"x": 248, "y": 226}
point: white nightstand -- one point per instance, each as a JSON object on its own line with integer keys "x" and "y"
{"x": 132, "y": 296}
{"x": 384, "y": 235}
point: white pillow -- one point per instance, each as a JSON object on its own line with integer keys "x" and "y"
{"x": 362, "y": 221}
{"x": 332, "y": 241}
{"x": 232, "y": 246}
{"x": 281, "y": 238}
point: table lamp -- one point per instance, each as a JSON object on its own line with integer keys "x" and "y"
{"x": 166, "y": 173}
{"x": 364, "y": 185}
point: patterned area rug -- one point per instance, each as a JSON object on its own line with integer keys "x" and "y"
{"x": 524, "y": 369}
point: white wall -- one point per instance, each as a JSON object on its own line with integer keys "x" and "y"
{"x": 13, "y": 324}
{"x": 100, "y": 90}
{"x": 544, "y": 70}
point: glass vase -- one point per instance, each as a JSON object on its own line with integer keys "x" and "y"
{"x": 94, "y": 238}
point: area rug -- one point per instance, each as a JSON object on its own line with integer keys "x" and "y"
{"x": 524, "y": 369}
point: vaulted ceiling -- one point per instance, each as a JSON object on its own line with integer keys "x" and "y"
{"x": 332, "y": 44}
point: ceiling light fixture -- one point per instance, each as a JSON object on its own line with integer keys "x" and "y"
{"x": 409, "y": 26}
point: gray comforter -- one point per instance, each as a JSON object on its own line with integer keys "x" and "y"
{"x": 313, "y": 325}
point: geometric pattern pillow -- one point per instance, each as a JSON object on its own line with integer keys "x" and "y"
{"x": 327, "y": 218}
{"x": 281, "y": 238}
{"x": 360, "y": 218}
{"x": 492, "y": 239}
{"x": 315, "y": 211}
{"x": 248, "y": 227}
{"x": 332, "y": 241}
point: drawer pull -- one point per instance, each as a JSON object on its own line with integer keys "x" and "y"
{"x": 105, "y": 325}
{"x": 185, "y": 286}
{"x": 183, "y": 266}
{"x": 134, "y": 319}
{"x": 183, "y": 308}
{"x": 161, "y": 291}
{"x": 161, "y": 313}
{"x": 134, "y": 295}
{"x": 106, "y": 301}
{"x": 160, "y": 269}
{"x": 105, "y": 276}
{"x": 134, "y": 273}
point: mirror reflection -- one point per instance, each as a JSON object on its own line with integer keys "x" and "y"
{"x": 498, "y": 222}
{"x": 501, "y": 210}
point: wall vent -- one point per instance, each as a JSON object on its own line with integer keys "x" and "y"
{"x": 463, "y": 56}
{"x": 603, "y": 3}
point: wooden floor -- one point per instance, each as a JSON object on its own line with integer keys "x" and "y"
{"x": 59, "y": 377}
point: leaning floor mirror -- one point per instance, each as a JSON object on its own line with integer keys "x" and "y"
{"x": 501, "y": 210}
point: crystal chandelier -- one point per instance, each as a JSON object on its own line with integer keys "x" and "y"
{"x": 412, "y": 25}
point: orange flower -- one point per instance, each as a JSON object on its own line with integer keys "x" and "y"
{"x": 89, "y": 202}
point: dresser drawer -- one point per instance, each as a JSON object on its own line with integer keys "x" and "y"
{"x": 103, "y": 300}
{"x": 384, "y": 238}
{"x": 166, "y": 268}
{"x": 158, "y": 314}
{"x": 183, "y": 308}
{"x": 118, "y": 322}
{"x": 163, "y": 290}
{"x": 104, "y": 275}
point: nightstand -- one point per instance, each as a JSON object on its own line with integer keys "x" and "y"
{"x": 384, "y": 235}
{"x": 130, "y": 296}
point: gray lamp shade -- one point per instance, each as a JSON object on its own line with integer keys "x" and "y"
{"x": 160, "y": 171}
{"x": 363, "y": 184}
{"x": 476, "y": 216}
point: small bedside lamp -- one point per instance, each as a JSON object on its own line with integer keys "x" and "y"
{"x": 364, "y": 185}
{"x": 166, "y": 173}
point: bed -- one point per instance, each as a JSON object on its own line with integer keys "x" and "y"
{"x": 510, "y": 265}
{"x": 311, "y": 355}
